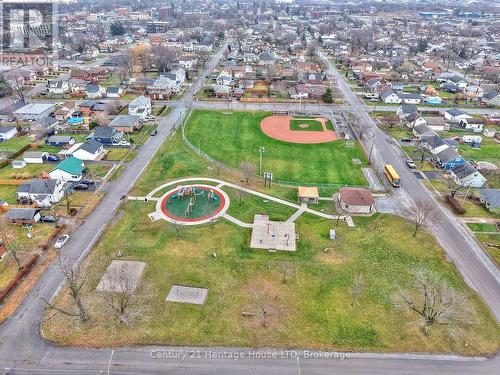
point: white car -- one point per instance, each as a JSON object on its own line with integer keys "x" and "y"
{"x": 61, "y": 241}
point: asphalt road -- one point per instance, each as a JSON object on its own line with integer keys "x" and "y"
{"x": 23, "y": 351}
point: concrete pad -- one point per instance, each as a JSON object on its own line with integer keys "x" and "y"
{"x": 273, "y": 235}
{"x": 187, "y": 294}
{"x": 121, "y": 275}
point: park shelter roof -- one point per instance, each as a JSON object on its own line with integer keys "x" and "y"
{"x": 308, "y": 192}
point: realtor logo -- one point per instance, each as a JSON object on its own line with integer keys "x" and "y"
{"x": 28, "y": 31}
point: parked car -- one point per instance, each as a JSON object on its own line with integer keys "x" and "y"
{"x": 61, "y": 241}
{"x": 48, "y": 219}
{"x": 410, "y": 164}
{"x": 153, "y": 133}
{"x": 81, "y": 187}
{"x": 53, "y": 158}
{"x": 87, "y": 182}
{"x": 150, "y": 117}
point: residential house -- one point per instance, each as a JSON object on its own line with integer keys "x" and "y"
{"x": 188, "y": 62}
{"x": 65, "y": 111}
{"x": 435, "y": 122}
{"x": 140, "y": 107}
{"x": 491, "y": 98}
{"x": 390, "y": 97}
{"x": 356, "y": 200}
{"x": 409, "y": 98}
{"x": 60, "y": 141}
{"x": 422, "y": 131}
{"x": 89, "y": 150}
{"x": 434, "y": 144}
{"x": 35, "y": 157}
{"x": 405, "y": 110}
{"x": 58, "y": 86}
{"x": 7, "y": 132}
{"x": 266, "y": 58}
{"x": 224, "y": 78}
{"x": 7, "y": 112}
{"x": 449, "y": 158}
{"x": 467, "y": 176}
{"x": 107, "y": 135}
{"x": 490, "y": 199}
{"x": 222, "y": 91}
{"x": 126, "y": 123}
{"x": 475, "y": 124}
{"x": 415, "y": 119}
{"x": 70, "y": 169}
{"x": 21, "y": 216}
{"x": 114, "y": 92}
{"x": 95, "y": 91}
{"x": 42, "y": 192}
{"x": 34, "y": 111}
{"x": 455, "y": 115}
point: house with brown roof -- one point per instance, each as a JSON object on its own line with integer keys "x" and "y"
{"x": 356, "y": 200}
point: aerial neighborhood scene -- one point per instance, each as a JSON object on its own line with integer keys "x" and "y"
{"x": 250, "y": 186}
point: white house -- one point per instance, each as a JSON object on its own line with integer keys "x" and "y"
{"x": 455, "y": 115}
{"x": 89, "y": 150}
{"x": 95, "y": 91}
{"x": 409, "y": 98}
{"x": 58, "y": 86}
{"x": 140, "y": 106}
{"x": 7, "y": 132}
{"x": 468, "y": 176}
{"x": 390, "y": 97}
{"x": 35, "y": 157}
{"x": 224, "y": 78}
{"x": 70, "y": 169}
{"x": 475, "y": 124}
{"x": 42, "y": 192}
{"x": 34, "y": 111}
{"x": 188, "y": 62}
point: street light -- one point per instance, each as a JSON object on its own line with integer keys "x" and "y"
{"x": 261, "y": 152}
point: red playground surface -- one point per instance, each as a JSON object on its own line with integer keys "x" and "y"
{"x": 278, "y": 127}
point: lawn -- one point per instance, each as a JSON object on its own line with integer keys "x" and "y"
{"x": 8, "y": 193}
{"x": 482, "y": 227}
{"x": 14, "y": 144}
{"x": 489, "y": 151}
{"x": 28, "y": 172}
{"x": 124, "y": 154}
{"x": 306, "y": 125}
{"x": 307, "y": 292}
{"x": 491, "y": 242}
{"x": 235, "y": 137}
{"x": 312, "y": 308}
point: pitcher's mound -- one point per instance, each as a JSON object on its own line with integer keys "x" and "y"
{"x": 278, "y": 127}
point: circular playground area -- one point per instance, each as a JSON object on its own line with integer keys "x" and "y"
{"x": 193, "y": 204}
{"x": 280, "y": 128}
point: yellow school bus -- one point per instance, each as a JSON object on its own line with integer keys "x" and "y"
{"x": 392, "y": 175}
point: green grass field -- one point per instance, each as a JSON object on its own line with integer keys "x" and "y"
{"x": 236, "y": 137}
{"x": 312, "y": 125}
{"x": 307, "y": 292}
{"x": 14, "y": 144}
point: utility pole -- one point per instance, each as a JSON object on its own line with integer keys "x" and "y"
{"x": 261, "y": 152}
{"x": 371, "y": 150}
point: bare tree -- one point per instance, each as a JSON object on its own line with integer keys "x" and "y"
{"x": 164, "y": 57}
{"x": 18, "y": 90}
{"x": 287, "y": 270}
{"x": 126, "y": 62}
{"x": 8, "y": 239}
{"x": 421, "y": 212}
{"x": 178, "y": 229}
{"x": 435, "y": 301}
{"x": 453, "y": 186}
{"x": 75, "y": 279}
{"x": 248, "y": 171}
{"x": 218, "y": 167}
{"x": 357, "y": 288}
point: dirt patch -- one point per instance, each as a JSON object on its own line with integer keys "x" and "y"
{"x": 278, "y": 127}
